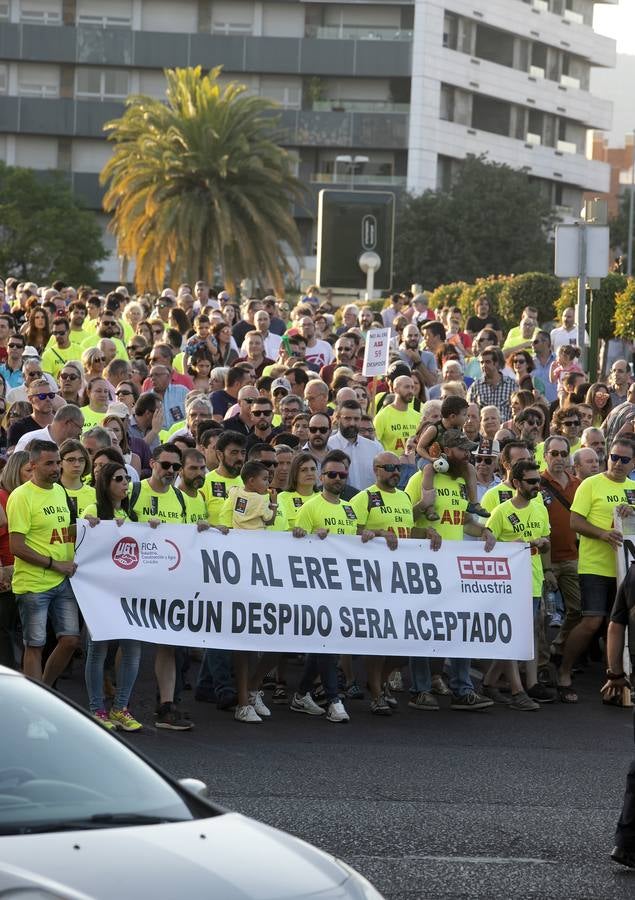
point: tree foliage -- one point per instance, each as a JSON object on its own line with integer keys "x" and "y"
{"x": 44, "y": 232}
{"x": 492, "y": 220}
{"x": 529, "y": 289}
{"x": 624, "y": 316}
{"x": 603, "y": 298}
{"x": 619, "y": 226}
{"x": 199, "y": 183}
{"x": 491, "y": 287}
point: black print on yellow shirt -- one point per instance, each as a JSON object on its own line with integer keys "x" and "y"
{"x": 218, "y": 489}
{"x": 505, "y": 495}
{"x": 630, "y": 497}
{"x": 59, "y": 535}
{"x": 297, "y": 502}
{"x": 153, "y": 510}
{"x": 374, "y": 499}
{"x": 350, "y": 512}
{"x": 241, "y": 505}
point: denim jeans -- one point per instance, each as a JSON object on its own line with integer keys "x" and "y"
{"x": 421, "y": 677}
{"x": 58, "y": 603}
{"x": 324, "y": 665}
{"x": 126, "y": 674}
{"x": 215, "y": 674}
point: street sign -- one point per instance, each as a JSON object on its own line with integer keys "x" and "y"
{"x": 376, "y": 352}
{"x": 596, "y": 261}
{"x": 351, "y": 223}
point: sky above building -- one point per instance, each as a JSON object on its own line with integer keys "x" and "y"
{"x": 617, "y": 22}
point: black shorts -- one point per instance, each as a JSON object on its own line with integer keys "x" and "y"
{"x": 597, "y": 594}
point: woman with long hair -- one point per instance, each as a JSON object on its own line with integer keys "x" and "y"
{"x": 178, "y": 320}
{"x": 98, "y": 396}
{"x": 144, "y": 330}
{"x": 94, "y": 363}
{"x": 127, "y": 392}
{"x": 598, "y": 398}
{"x": 111, "y": 503}
{"x": 302, "y": 485}
{"x": 227, "y": 351}
{"x": 37, "y": 329}
{"x": 117, "y": 429}
{"x": 132, "y": 314}
{"x": 15, "y": 473}
{"x": 518, "y": 401}
{"x": 76, "y": 466}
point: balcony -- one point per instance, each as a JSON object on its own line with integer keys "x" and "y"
{"x": 371, "y": 106}
{"x": 357, "y": 33}
{"x": 398, "y": 181}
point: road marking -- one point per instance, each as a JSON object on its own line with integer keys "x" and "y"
{"x": 496, "y": 860}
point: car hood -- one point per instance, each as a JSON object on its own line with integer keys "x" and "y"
{"x": 228, "y": 856}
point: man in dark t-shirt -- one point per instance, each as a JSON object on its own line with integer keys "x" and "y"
{"x": 622, "y": 617}
{"x": 484, "y": 318}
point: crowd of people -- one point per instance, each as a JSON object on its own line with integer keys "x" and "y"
{"x": 195, "y": 408}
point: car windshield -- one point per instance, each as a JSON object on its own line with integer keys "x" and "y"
{"x": 59, "y": 769}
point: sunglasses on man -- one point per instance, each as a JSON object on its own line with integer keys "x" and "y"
{"x": 617, "y": 457}
{"x": 49, "y": 396}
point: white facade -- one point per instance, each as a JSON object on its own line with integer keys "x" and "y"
{"x": 531, "y": 108}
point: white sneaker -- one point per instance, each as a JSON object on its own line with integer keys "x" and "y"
{"x": 247, "y": 714}
{"x": 255, "y": 700}
{"x": 336, "y": 712}
{"x": 307, "y": 705}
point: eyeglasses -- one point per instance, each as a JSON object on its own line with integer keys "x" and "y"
{"x": 389, "y": 467}
{"x": 98, "y": 359}
{"x": 487, "y": 460}
{"x": 49, "y": 396}
{"x": 571, "y": 423}
{"x": 73, "y": 459}
{"x": 561, "y": 453}
{"x": 34, "y": 374}
{"x": 166, "y": 466}
{"x": 68, "y": 376}
{"x": 261, "y": 412}
{"x": 59, "y": 333}
{"x": 531, "y": 480}
{"x": 123, "y": 393}
{"x": 157, "y": 331}
{"x": 533, "y": 421}
{"x": 617, "y": 457}
{"x": 520, "y": 361}
{"x": 120, "y": 478}
{"x": 318, "y": 429}
{"x": 333, "y": 475}
{"x": 14, "y": 414}
{"x": 269, "y": 463}
{"x": 16, "y": 346}
{"x": 248, "y": 400}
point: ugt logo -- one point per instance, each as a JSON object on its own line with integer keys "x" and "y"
{"x": 126, "y": 553}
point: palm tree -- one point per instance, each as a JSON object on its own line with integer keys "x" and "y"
{"x": 199, "y": 184}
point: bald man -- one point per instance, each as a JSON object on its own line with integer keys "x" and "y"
{"x": 397, "y": 421}
{"x": 585, "y": 463}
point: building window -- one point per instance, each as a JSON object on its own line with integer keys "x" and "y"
{"x": 38, "y": 80}
{"x": 235, "y": 17}
{"x": 114, "y": 14}
{"x": 4, "y": 78}
{"x": 450, "y": 31}
{"x": 102, "y": 84}
{"x": 41, "y": 12}
{"x": 4, "y": 10}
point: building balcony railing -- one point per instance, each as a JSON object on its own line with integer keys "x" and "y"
{"x": 372, "y": 106}
{"x": 358, "y": 33}
{"x": 344, "y": 179}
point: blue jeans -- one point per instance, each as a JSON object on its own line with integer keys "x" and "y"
{"x": 324, "y": 665}
{"x": 215, "y": 674}
{"x": 59, "y": 603}
{"x": 126, "y": 674}
{"x": 421, "y": 677}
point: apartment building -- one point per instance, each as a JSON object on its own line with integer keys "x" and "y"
{"x": 388, "y": 95}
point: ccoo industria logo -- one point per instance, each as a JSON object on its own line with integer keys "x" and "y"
{"x": 479, "y": 567}
{"x": 126, "y": 553}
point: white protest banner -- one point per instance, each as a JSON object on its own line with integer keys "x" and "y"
{"x": 175, "y": 585}
{"x": 626, "y": 553}
{"x": 376, "y": 352}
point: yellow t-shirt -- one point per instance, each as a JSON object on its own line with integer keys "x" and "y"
{"x": 337, "y": 518}
{"x": 393, "y": 427}
{"x": 596, "y": 499}
{"x": 152, "y": 505}
{"x": 196, "y": 507}
{"x": 281, "y": 522}
{"x": 91, "y": 510}
{"x": 83, "y": 497}
{"x": 384, "y": 510}
{"x": 43, "y": 517}
{"x": 77, "y": 338}
{"x": 244, "y": 509}
{"x": 91, "y": 418}
{"x": 291, "y": 502}
{"x": 93, "y": 339}
{"x": 450, "y": 505}
{"x": 55, "y": 358}
{"x": 178, "y": 363}
{"x": 508, "y": 523}
{"x": 215, "y": 491}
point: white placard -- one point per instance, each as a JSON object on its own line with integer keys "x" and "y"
{"x": 376, "y": 352}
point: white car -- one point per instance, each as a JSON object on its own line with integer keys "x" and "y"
{"x": 84, "y": 817}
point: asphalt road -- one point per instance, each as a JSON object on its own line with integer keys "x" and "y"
{"x": 497, "y": 804}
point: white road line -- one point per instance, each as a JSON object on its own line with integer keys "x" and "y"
{"x": 496, "y": 860}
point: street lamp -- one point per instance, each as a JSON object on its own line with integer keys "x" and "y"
{"x": 351, "y": 161}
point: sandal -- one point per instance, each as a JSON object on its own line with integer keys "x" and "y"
{"x": 566, "y": 694}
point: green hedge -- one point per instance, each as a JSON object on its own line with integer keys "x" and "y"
{"x": 604, "y": 298}
{"x": 624, "y": 316}
{"x": 529, "y": 289}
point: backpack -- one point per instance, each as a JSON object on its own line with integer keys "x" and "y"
{"x": 136, "y": 490}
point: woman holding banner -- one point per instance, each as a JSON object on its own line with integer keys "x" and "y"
{"x": 302, "y": 486}
{"x": 111, "y": 488}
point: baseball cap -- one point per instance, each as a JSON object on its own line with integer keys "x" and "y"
{"x": 488, "y": 448}
{"x": 118, "y": 409}
{"x": 453, "y": 437}
{"x": 280, "y": 384}
{"x": 30, "y": 353}
{"x": 397, "y": 369}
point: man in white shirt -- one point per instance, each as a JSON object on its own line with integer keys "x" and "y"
{"x": 270, "y": 341}
{"x": 567, "y": 333}
{"x": 67, "y": 423}
{"x": 361, "y": 450}
{"x": 320, "y": 353}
